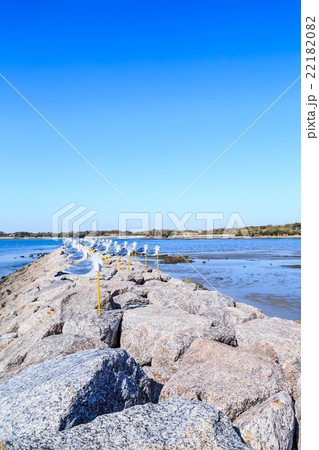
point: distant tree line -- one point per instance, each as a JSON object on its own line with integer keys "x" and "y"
{"x": 291, "y": 229}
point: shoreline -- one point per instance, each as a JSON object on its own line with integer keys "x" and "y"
{"x": 236, "y": 272}
{"x": 192, "y": 237}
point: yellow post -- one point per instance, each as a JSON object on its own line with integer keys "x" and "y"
{"x": 135, "y": 256}
{"x": 157, "y": 262}
{"x": 119, "y": 263}
{"x": 98, "y": 292}
{"x": 108, "y": 258}
{"x": 128, "y": 265}
{"x": 145, "y": 259}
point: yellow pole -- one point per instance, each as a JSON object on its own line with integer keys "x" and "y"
{"x": 98, "y": 292}
{"x": 108, "y": 258}
{"x": 51, "y": 271}
{"x": 157, "y": 262}
{"x": 119, "y": 263}
{"x": 128, "y": 265}
{"x": 145, "y": 259}
{"x": 135, "y": 256}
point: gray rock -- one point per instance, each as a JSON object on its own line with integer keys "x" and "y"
{"x": 141, "y": 290}
{"x": 283, "y": 335}
{"x": 64, "y": 392}
{"x": 159, "y": 336}
{"x": 136, "y": 276}
{"x": 28, "y": 351}
{"x": 13, "y": 355}
{"x": 152, "y": 274}
{"x": 159, "y": 374}
{"x": 85, "y": 299}
{"x": 56, "y": 346}
{"x": 39, "y": 319}
{"x": 5, "y": 339}
{"x": 55, "y": 328}
{"x": 292, "y": 372}
{"x": 245, "y": 307}
{"x": 165, "y": 277}
{"x": 229, "y": 378}
{"x": 104, "y": 327}
{"x": 129, "y": 299}
{"x": 269, "y": 425}
{"x": 298, "y": 414}
{"x": 198, "y": 302}
{"x": 234, "y": 316}
{"x": 117, "y": 286}
{"x": 175, "y": 424}
{"x": 54, "y": 290}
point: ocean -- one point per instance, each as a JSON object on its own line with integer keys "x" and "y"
{"x": 261, "y": 272}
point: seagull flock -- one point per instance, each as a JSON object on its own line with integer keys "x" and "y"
{"x": 87, "y": 256}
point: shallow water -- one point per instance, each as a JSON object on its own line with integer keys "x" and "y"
{"x": 15, "y": 253}
{"x": 262, "y": 272}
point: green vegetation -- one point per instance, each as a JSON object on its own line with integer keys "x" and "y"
{"x": 291, "y": 229}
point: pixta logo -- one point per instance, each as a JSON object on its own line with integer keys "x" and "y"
{"x": 68, "y": 220}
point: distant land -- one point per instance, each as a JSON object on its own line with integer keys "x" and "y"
{"x": 291, "y": 230}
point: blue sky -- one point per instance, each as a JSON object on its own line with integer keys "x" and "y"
{"x": 151, "y": 93}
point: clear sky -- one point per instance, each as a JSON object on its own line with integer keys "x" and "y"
{"x": 151, "y": 93}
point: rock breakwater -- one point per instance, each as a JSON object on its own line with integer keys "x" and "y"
{"x": 166, "y": 364}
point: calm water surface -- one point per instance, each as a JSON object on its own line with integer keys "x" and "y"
{"x": 262, "y": 272}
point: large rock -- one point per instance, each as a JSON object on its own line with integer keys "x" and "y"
{"x": 252, "y": 309}
{"x": 118, "y": 286}
{"x": 292, "y": 372}
{"x": 123, "y": 301}
{"x": 104, "y": 326}
{"x": 14, "y": 354}
{"x": 283, "y": 335}
{"x": 229, "y": 378}
{"x": 269, "y": 425}
{"x": 30, "y": 347}
{"x": 54, "y": 290}
{"x": 298, "y": 413}
{"x": 5, "y": 339}
{"x": 24, "y": 285}
{"x": 175, "y": 424}
{"x": 183, "y": 296}
{"x": 235, "y": 315}
{"x": 30, "y": 350}
{"x": 59, "y": 345}
{"x": 154, "y": 275}
{"x": 64, "y": 392}
{"x": 159, "y": 336}
{"x": 36, "y": 310}
{"x": 85, "y": 299}
{"x": 40, "y": 319}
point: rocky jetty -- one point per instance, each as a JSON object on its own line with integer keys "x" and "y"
{"x": 166, "y": 365}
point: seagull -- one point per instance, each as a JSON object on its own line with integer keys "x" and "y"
{"x": 129, "y": 251}
{"x": 119, "y": 251}
{"x": 107, "y": 250}
{"x": 72, "y": 248}
{"x": 144, "y": 251}
{"x": 80, "y": 255}
{"x": 155, "y": 252}
{"x": 88, "y": 268}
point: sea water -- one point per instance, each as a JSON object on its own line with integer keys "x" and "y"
{"x": 261, "y": 272}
